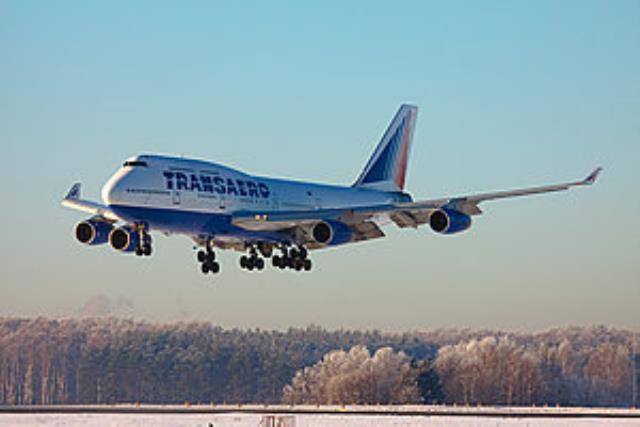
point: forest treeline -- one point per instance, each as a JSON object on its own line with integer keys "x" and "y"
{"x": 46, "y": 361}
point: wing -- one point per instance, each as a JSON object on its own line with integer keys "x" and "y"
{"x": 73, "y": 201}
{"x": 365, "y": 221}
{"x": 362, "y": 220}
{"x": 469, "y": 204}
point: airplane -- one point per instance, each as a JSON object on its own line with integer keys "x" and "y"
{"x": 223, "y": 208}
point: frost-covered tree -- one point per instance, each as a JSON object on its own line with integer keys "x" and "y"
{"x": 356, "y": 377}
{"x": 489, "y": 370}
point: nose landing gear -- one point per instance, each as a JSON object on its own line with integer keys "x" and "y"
{"x": 144, "y": 245}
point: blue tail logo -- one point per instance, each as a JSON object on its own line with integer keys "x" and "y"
{"x": 387, "y": 168}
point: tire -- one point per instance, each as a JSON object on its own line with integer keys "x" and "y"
{"x": 139, "y": 251}
{"x": 293, "y": 253}
{"x": 275, "y": 261}
{"x": 147, "y": 250}
{"x": 260, "y": 263}
{"x": 202, "y": 256}
{"x": 215, "y": 268}
{"x": 205, "y": 268}
{"x": 243, "y": 262}
{"x": 307, "y": 265}
{"x": 303, "y": 253}
{"x": 297, "y": 264}
{"x": 211, "y": 256}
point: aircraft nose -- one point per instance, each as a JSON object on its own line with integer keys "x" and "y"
{"x": 112, "y": 191}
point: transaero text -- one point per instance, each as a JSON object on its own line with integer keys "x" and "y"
{"x": 217, "y": 184}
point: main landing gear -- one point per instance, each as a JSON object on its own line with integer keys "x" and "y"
{"x": 207, "y": 259}
{"x": 252, "y": 262}
{"x": 144, "y": 245}
{"x": 293, "y": 258}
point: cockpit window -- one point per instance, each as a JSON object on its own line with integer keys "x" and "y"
{"x": 134, "y": 163}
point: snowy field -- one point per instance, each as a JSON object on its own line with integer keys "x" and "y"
{"x": 298, "y": 420}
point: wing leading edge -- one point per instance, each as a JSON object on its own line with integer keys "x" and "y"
{"x": 469, "y": 204}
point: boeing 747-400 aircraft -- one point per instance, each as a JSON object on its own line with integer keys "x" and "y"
{"x": 221, "y": 207}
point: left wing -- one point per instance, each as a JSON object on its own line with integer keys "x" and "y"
{"x": 365, "y": 220}
{"x": 73, "y": 201}
{"x": 469, "y": 204}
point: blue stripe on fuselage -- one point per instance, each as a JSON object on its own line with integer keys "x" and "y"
{"x": 191, "y": 223}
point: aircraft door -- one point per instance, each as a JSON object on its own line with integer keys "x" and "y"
{"x": 222, "y": 203}
{"x": 275, "y": 202}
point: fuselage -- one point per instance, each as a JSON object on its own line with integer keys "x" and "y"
{"x": 179, "y": 195}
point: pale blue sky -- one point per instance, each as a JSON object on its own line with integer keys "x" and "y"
{"x": 511, "y": 93}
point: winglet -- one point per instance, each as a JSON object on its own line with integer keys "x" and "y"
{"x": 74, "y": 192}
{"x": 593, "y": 176}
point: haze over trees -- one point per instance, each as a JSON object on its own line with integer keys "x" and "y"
{"x": 44, "y": 361}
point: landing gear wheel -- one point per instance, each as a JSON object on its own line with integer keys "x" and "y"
{"x": 259, "y": 263}
{"x": 202, "y": 256}
{"x": 146, "y": 250}
{"x": 307, "y": 265}
{"x": 205, "y": 268}
{"x": 139, "y": 251}
{"x": 215, "y": 268}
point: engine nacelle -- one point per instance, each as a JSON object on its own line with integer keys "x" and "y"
{"x": 92, "y": 232}
{"x": 124, "y": 239}
{"x": 330, "y": 233}
{"x": 449, "y": 221}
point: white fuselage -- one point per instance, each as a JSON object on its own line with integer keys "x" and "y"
{"x": 184, "y": 195}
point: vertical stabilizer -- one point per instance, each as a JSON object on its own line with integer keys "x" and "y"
{"x": 387, "y": 167}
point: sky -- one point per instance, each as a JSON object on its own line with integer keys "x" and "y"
{"x": 511, "y": 94}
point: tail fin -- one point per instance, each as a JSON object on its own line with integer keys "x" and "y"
{"x": 387, "y": 167}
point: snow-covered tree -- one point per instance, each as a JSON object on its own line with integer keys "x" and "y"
{"x": 356, "y": 377}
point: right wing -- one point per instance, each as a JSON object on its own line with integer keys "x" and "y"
{"x": 73, "y": 201}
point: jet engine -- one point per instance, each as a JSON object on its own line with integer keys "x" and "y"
{"x": 124, "y": 239}
{"x": 93, "y": 232}
{"x": 449, "y": 221}
{"x": 330, "y": 233}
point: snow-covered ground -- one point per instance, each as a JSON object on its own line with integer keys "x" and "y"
{"x": 298, "y": 420}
